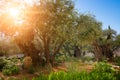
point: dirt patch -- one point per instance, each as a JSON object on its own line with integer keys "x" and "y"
{"x": 61, "y": 67}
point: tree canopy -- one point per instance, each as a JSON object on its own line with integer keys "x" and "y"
{"x": 44, "y": 27}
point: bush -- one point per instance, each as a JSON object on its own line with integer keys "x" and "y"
{"x": 117, "y": 75}
{"x": 31, "y": 70}
{"x": 103, "y": 67}
{"x": 2, "y": 64}
{"x": 60, "y": 58}
{"x": 117, "y": 61}
{"x": 101, "y": 76}
{"x": 15, "y": 60}
{"x": 10, "y": 70}
{"x": 27, "y": 62}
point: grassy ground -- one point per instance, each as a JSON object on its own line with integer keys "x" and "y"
{"x": 67, "y": 66}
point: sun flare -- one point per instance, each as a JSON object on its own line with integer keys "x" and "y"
{"x": 17, "y": 12}
{"x": 14, "y": 12}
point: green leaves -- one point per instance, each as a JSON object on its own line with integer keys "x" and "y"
{"x": 77, "y": 76}
{"x": 10, "y": 70}
{"x": 103, "y": 67}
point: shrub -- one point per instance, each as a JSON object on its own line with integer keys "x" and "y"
{"x": 103, "y": 67}
{"x": 101, "y": 76}
{"x": 59, "y": 58}
{"x": 15, "y": 60}
{"x": 117, "y": 61}
{"x": 31, "y": 70}
{"x": 10, "y": 70}
{"x": 117, "y": 75}
{"x": 27, "y": 62}
{"x": 2, "y": 64}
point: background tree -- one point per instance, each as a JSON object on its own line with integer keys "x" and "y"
{"x": 88, "y": 31}
{"x": 116, "y": 42}
{"x": 105, "y": 42}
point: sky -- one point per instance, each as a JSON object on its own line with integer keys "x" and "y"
{"x": 105, "y": 11}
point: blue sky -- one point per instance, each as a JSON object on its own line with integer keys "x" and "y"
{"x": 106, "y": 11}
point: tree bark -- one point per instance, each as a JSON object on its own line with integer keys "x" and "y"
{"x": 97, "y": 51}
{"x": 77, "y": 52}
{"x": 46, "y": 49}
{"x": 55, "y": 52}
{"x": 24, "y": 41}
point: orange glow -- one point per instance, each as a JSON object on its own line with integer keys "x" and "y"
{"x": 13, "y": 12}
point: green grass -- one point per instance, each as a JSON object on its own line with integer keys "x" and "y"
{"x": 102, "y": 71}
{"x": 77, "y": 76}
